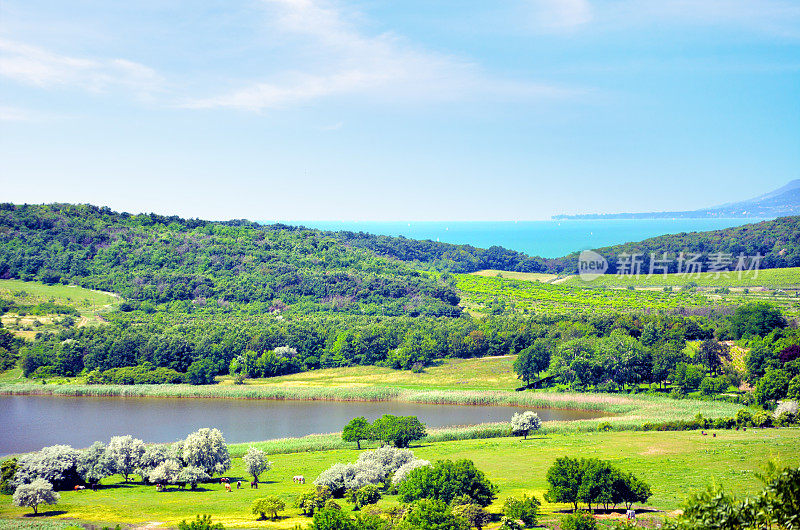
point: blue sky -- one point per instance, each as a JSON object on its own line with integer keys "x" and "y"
{"x": 385, "y": 110}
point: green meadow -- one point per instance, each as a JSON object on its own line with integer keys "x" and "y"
{"x": 667, "y": 460}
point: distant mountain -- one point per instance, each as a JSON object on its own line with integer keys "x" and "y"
{"x": 782, "y": 202}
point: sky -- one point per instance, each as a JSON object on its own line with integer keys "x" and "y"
{"x": 385, "y": 110}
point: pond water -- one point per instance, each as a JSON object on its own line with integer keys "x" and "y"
{"x": 28, "y": 423}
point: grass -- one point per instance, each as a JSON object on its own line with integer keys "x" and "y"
{"x": 667, "y": 460}
{"x": 486, "y": 373}
{"x": 527, "y": 276}
{"x": 90, "y": 304}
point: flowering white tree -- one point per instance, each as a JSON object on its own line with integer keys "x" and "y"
{"x": 525, "y": 422}
{"x": 207, "y": 450}
{"x": 37, "y": 492}
{"x": 94, "y": 463}
{"x": 56, "y": 464}
{"x": 255, "y": 462}
{"x": 403, "y": 471}
{"x": 126, "y": 452}
{"x": 167, "y": 472}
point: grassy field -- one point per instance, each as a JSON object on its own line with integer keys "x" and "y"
{"x": 667, "y": 460}
{"x": 487, "y": 373}
{"x": 90, "y": 304}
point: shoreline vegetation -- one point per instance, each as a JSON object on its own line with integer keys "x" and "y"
{"x": 621, "y": 412}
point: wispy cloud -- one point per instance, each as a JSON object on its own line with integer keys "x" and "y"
{"x": 561, "y": 15}
{"x": 775, "y": 17}
{"x": 346, "y": 61}
{"x": 39, "y": 67}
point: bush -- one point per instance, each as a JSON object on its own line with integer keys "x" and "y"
{"x": 445, "y": 481}
{"x": 433, "y": 514}
{"x": 525, "y": 509}
{"x": 744, "y": 418}
{"x": 310, "y": 502}
{"x": 330, "y": 518}
{"x": 402, "y": 472}
{"x": 578, "y": 521}
{"x": 267, "y": 507}
{"x": 472, "y": 514}
{"x": 201, "y": 523}
{"x": 369, "y": 494}
{"x": 7, "y": 470}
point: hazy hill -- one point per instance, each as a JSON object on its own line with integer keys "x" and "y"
{"x": 781, "y": 202}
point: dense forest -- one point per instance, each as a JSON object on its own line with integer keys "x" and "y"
{"x": 207, "y": 298}
{"x": 156, "y": 259}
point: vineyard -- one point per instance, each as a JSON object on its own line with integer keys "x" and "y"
{"x": 498, "y": 294}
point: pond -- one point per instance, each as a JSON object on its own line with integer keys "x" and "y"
{"x": 28, "y": 423}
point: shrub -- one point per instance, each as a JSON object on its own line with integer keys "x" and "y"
{"x": 432, "y": 513}
{"x": 311, "y": 501}
{"x": 369, "y": 494}
{"x": 267, "y": 506}
{"x": 744, "y": 418}
{"x": 525, "y": 509}
{"x": 330, "y": 518}
{"x": 37, "y": 492}
{"x": 7, "y": 471}
{"x": 192, "y": 475}
{"x": 446, "y": 480}
{"x": 473, "y": 514}
{"x": 605, "y": 426}
{"x": 578, "y": 521}
{"x": 402, "y": 472}
{"x": 201, "y": 523}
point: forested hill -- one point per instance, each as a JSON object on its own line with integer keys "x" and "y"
{"x": 778, "y": 241}
{"x": 157, "y": 259}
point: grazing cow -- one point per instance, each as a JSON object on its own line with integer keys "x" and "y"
{"x": 299, "y": 479}
{"x": 254, "y": 485}
{"x": 79, "y": 487}
{"x": 238, "y": 484}
{"x": 714, "y": 435}
{"x": 94, "y": 486}
{"x": 159, "y": 487}
{"x": 631, "y": 515}
{"x": 227, "y": 487}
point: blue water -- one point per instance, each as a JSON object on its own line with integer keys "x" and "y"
{"x": 537, "y": 238}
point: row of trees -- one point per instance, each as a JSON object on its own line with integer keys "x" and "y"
{"x": 399, "y": 431}
{"x": 593, "y": 481}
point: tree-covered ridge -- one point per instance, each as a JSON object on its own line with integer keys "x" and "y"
{"x": 777, "y": 241}
{"x": 157, "y": 259}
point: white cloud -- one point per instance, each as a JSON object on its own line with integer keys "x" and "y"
{"x": 340, "y": 60}
{"x": 558, "y": 15}
{"x": 37, "y": 66}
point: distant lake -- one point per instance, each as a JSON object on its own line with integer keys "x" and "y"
{"x": 550, "y": 239}
{"x": 32, "y": 422}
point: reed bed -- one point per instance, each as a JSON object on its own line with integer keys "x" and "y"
{"x": 622, "y": 412}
